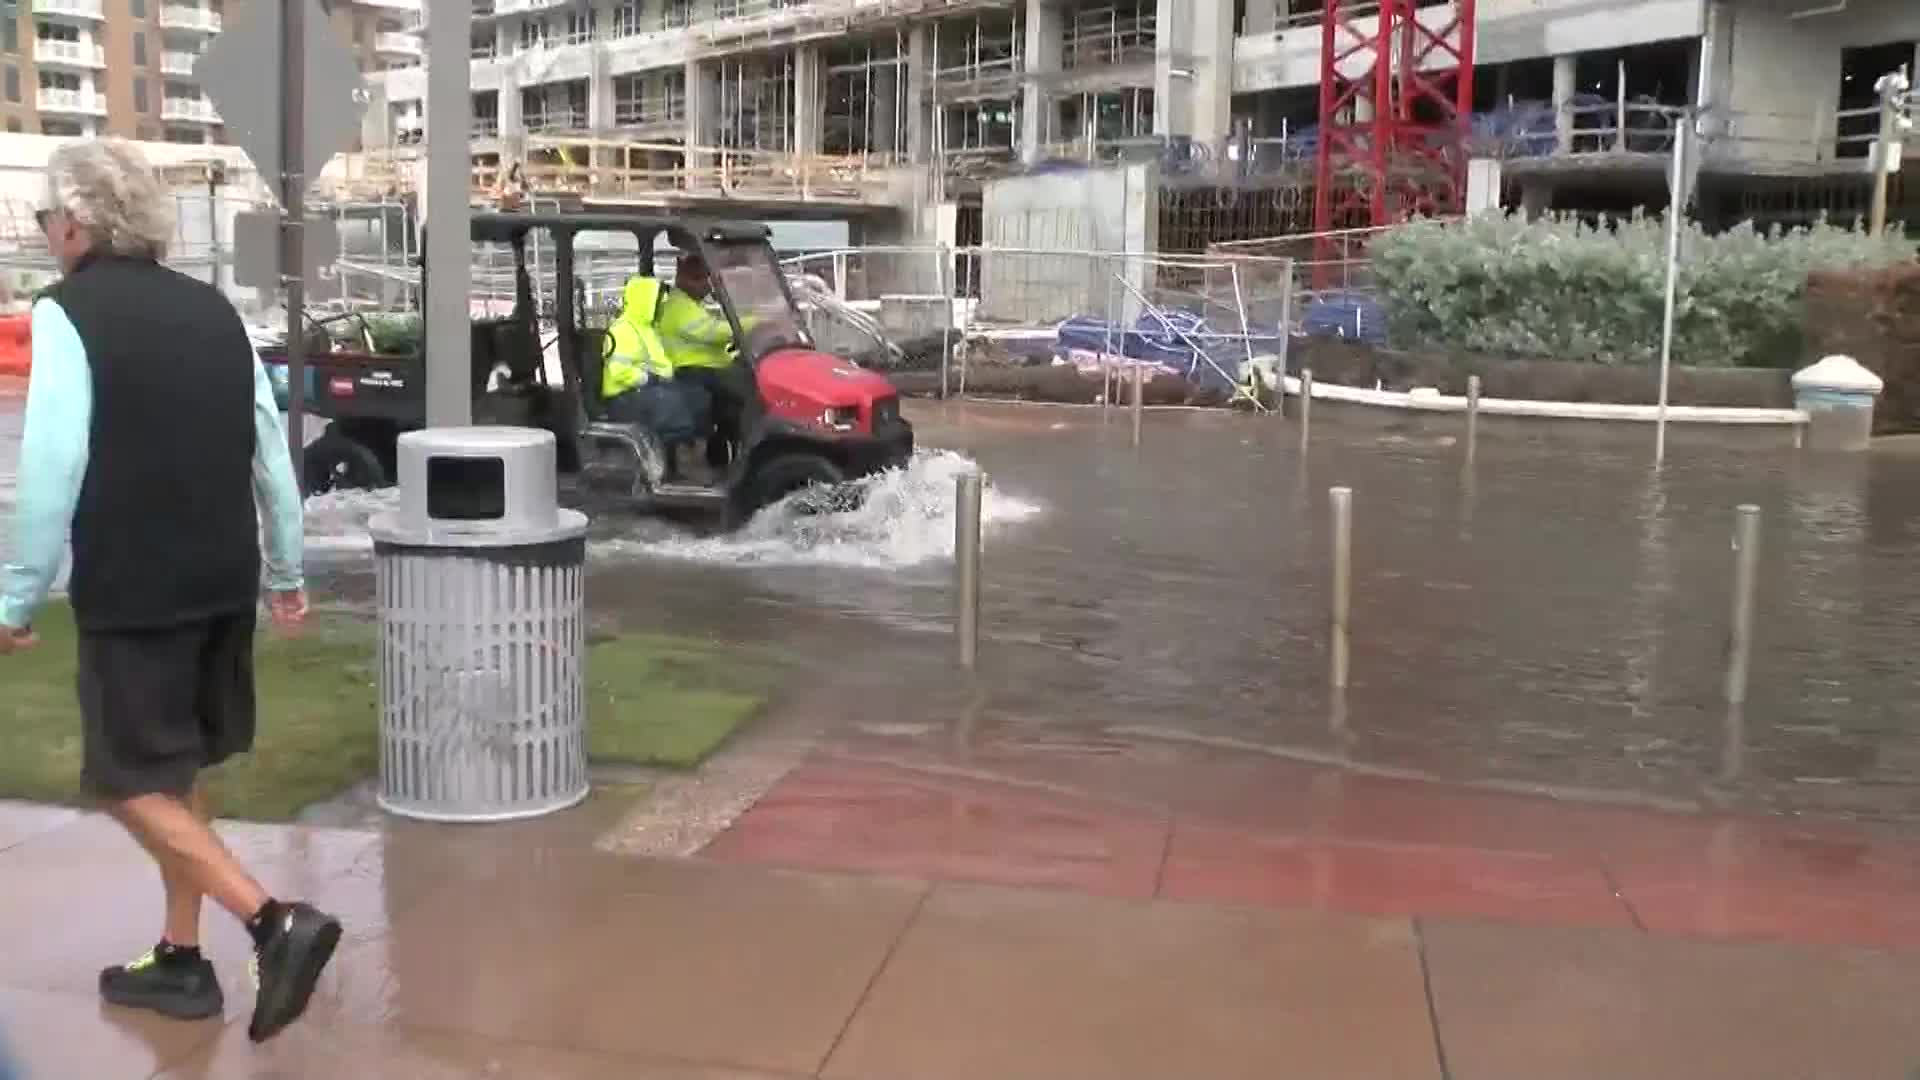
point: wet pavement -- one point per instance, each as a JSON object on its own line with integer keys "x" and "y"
{"x": 522, "y": 951}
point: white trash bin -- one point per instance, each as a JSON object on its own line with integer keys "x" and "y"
{"x": 481, "y": 594}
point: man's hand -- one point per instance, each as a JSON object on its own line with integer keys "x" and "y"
{"x": 13, "y": 641}
{"x": 287, "y": 609}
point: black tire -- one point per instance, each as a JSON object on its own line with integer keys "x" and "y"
{"x": 783, "y": 474}
{"x": 336, "y": 462}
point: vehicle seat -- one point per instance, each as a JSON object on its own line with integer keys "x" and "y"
{"x": 510, "y": 343}
{"x": 592, "y": 365}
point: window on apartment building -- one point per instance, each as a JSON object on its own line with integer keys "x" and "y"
{"x": 137, "y": 8}
{"x": 582, "y": 24}
{"x": 46, "y": 31}
{"x": 533, "y": 33}
{"x": 9, "y": 33}
{"x": 678, "y": 13}
{"x": 179, "y": 91}
{"x": 13, "y": 84}
{"x": 140, "y": 50}
{"x": 59, "y": 80}
{"x": 626, "y": 19}
{"x": 140, "y": 95}
{"x": 61, "y": 127}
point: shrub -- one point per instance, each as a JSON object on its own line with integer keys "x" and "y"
{"x": 1559, "y": 288}
{"x": 395, "y": 335}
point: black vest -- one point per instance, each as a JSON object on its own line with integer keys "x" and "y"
{"x": 165, "y": 532}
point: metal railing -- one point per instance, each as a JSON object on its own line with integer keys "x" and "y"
{"x": 62, "y": 100}
{"x": 190, "y": 110}
{"x": 71, "y": 53}
{"x": 178, "y": 17}
{"x": 177, "y": 63}
{"x": 82, "y": 9}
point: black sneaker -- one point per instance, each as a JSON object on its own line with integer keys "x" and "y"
{"x": 166, "y": 984}
{"x": 287, "y": 967}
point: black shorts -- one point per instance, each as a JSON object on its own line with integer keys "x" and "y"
{"x": 158, "y": 706}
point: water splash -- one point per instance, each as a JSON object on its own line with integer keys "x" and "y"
{"x": 337, "y": 521}
{"x": 905, "y": 519}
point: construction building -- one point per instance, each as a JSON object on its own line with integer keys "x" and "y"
{"x": 125, "y": 67}
{"x": 868, "y": 107}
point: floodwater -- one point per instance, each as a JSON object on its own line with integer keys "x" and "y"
{"x": 1553, "y": 617}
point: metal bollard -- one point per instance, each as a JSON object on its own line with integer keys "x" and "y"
{"x": 966, "y": 564}
{"x": 1139, "y": 398}
{"x": 1341, "y": 500}
{"x": 1306, "y": 402}
{"x": 1473, "y": 413}
{"x": 1746, "y": 575}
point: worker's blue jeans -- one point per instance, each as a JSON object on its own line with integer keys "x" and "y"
{"x": 675, "y": 412}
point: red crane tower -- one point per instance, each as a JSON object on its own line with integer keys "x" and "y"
{"x": 1396, "y": 99}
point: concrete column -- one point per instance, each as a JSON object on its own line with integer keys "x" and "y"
{"x": 809, "y": 101}
{"x": 1193, "y": 71}
{"x": 703, "y": 119}
{"x": 511, "y": 124}
{"x": 600, "y": 111}
{"x": 1563, "y": 90}
{"x": 883, "y": 110}
{"x": 1536, "y": 198}
{"x": 1045, "y": 47}
{"x": 919, "y": 76}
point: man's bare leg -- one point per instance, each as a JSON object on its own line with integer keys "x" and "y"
{"x": 191, "y": 857}
{"x": 292, "y": 942}
{"x": 183, "y": 899}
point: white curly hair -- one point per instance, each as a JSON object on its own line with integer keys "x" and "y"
{"x": 109, "y": 189}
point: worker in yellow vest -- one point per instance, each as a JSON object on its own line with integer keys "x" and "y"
{"x": 638, "y": 385}
{"x": 700, "y": 343}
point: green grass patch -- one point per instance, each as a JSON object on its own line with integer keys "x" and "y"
{"x": 657, "y": 700}
{"x": 654, "y": 700}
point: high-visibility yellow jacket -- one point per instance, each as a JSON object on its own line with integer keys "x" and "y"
{"x": 634, "y": 351}
{"x": 694, "y": 336}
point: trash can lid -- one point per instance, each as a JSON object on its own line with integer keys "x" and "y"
{"x": 1840, "y": 373}
{"x": 393, "y": 528}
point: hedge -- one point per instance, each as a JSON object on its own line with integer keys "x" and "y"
{"x": 1561, "y": 288}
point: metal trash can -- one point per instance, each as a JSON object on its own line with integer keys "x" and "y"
{"x": 480, "y": 582}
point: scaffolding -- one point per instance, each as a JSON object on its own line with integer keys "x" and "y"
{"x": 866, "y": 112}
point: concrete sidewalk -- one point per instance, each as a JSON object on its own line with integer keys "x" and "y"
{"x": 523, "y": 951}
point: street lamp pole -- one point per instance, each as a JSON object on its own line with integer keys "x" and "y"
{"x": 1893, "y": 91}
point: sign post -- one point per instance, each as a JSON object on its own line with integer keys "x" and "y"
{"x": 449, "y": 271}
{"x": 314, "y": 115}
{"x": 1680, "y": 183}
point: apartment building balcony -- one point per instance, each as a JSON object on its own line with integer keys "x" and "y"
{"x": 178, "y": 63}
{"x": 71, "y": 102}
{"x": 403, "y": 46}
{"x": 195, "y": 19}
{"x": 176, "y": 110}
{"x": 94, "y": 10}
{"x": 80, "y": 54}
{"x": 554, "y": 121}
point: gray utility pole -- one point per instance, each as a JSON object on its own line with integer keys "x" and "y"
{"x": 293, "y": 207}
{"x": 1893, "y": 93}
{"x": 449, "y": 271}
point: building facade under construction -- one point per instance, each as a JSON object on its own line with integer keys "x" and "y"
{"x": 1248, "y": 117}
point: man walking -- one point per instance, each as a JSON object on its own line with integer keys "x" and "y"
{"x": 151, "y": 431}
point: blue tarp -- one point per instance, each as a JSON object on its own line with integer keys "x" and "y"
{"x": 1156, "y": 338}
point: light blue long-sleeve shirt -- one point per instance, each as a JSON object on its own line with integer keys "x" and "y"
{"x": 53, "y": 464}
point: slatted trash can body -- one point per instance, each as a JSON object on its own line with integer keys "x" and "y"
{"x": 480, "y": 581}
